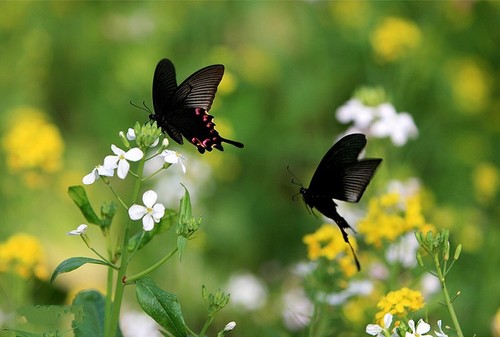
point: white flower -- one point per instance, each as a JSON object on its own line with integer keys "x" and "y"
{"x": 138, "y": 324}
{"x": 79, "y": 230}
{"x": 151, "y": 213}
{"x": 297, "y": 309}
{"x": 422, "y": 328}
{"x": 99, "y": 170}
{"x": 377, "y": 330}
{"x": 358, "y": 113}
{"x": 440, "y": 333}
{"x": 173, "y": 157}
{"x": 247, "y": 291}
{"x": 120, "y": 159}
{"x": 404, "y": 251}
{"x": 229, "y": 326}
{"x": 399, "y": 127}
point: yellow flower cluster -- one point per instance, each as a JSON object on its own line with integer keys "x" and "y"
{"x": 32, "y": 142}
{"x": 394, "y": 37}
{"x": 486, "y": 179}
{"x": 399, "y": 303}
{"x": 327, "y": 242}
{"x": 389, "y": 216}
{"x": 23, "y": 255}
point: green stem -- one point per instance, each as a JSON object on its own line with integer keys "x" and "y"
{"x": 116, "y": 195}
{"x": 447, "y": 299}
{"x": 156, "y": 172}
{"x": 110, "y": 331}
{"x": 143, "y": 273}
{"x": 205, "y": 327}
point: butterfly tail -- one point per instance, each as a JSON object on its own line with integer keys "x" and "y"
{"x": 232, "y": 142}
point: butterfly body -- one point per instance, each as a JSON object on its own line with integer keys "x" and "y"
{"x": 342, "y": 176}
{"x": 182, "y": 111}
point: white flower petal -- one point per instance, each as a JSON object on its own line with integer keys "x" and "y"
{"x": 149, "y": 198}
{"x": 170, "y": 156}
{"x": 230, "y": 326}
{"x": 157, "y": 140}
{"x": 79, "y": 230}
{"x": 134, "y": 154}
{"x": 423, "y": 327}
{"x": 387, "y": 320}
{"x": 110, "y": 162}
{"x": 105, "y": 171}
{"x": 116, "y": 150}
{"x": 136, "y": 212}
{"x": 373, "y": 329}
{"x": 158, "y": 212}
{"x": 148, "y": 222}
{"x": 130, "y": 134}
{"x": 91, "y": 177}
{"x": 123, "y": 167}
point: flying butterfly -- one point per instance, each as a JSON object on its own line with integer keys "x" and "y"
{"x": 183, "y": 110}
{"x": 342, "y": 176}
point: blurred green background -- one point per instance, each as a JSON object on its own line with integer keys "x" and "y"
{"x": 289, "y": 66}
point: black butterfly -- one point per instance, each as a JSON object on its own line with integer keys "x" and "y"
{"x": 183, "y": 110}
{"x": 340, "y": 175}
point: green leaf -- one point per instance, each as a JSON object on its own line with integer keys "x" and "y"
{"x": 167, "y": 222}
{"x": 108, "y": 211}
{"x": 181, "y": 245}
{"x": 79, "y": 197}
{"x": 20, "y": 333}
{"x": 162, "y": 306}
{"x": 89, "y": 314}
{"x": 72, "y": 264}
{"x": 185, "y": 207}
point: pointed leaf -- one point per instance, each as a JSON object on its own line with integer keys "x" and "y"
{"x": 185, "y": 207}
{"x": 79, "y": 197}
{"x": 162, "y": 306}
{"x": 72, "y": 264}
{"x": 181, "y": 245}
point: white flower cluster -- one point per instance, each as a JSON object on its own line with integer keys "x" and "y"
{"x": 420, "y": 330}
{"x": 380, "y": 121}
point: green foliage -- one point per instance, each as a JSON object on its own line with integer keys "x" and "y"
{"x": 73, "y": 263}
{"x": 79, "y": 197}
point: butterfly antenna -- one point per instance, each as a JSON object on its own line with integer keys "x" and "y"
{"x": 144, "y": 107}
{"x": 295, "y": 180}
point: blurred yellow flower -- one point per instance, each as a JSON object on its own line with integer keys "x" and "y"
{"x": 486, "y": 179}
{"x": 394, "y": 38}
{"x": 328, "y": 242}
{"x": 32, "y": 143}
{"x": 228, "y": 83}
{"x": 23, "y": 254}
{"x": 351, "y": 14}
{"x": 470, "y": 85}
{"x": 390, "y": 216}
{"x": 399, "y": 303}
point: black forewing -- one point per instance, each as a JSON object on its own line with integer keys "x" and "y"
{"x": 339, "y": 174}
{"x": 164, "y": 87}
{"x": 198, "y": 90}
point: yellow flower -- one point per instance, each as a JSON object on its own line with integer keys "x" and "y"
{"x": 486, "y": 179}
{"x": 399, "y": 303}
{"x": 23, "y": 254}
{"x": 470, "y": 85}
{"x": 394, "y": 38}
{"x": 350, "y": 14}
{"x": 390, "y": 216}
{"x": 327, "y": 242}
{"x": 32, "y": 143}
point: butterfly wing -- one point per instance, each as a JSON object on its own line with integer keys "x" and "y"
{"x": 164, "y": 87}
{"x": 340, "y": 175}
{"x": 198, "y": 90}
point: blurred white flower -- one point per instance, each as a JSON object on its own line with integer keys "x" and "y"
{"x": 121, "y": 158}
{"x": 429, "y": 285}
{"x": 378, "y": 121}
{"x": 377, "y": 330}
{"x": 98, "y": 171}
{"x": 138, "y": 324}
{"x": 404, "y": 189}
{"x": 361, "y": 287}
{"x": 420, "y": 330}
{"x": 79, "y": 230}
{"x": 404, "y": 251}
{"x": 358, "y": 113}
{"x": 247, "y": 291}
{"x": 398, "y": 126}
{"x": 230, "y": 326}
{"x": 297, "y": 309}
{"x": 151, "y": 213}
{"x": 131, "y": 136}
